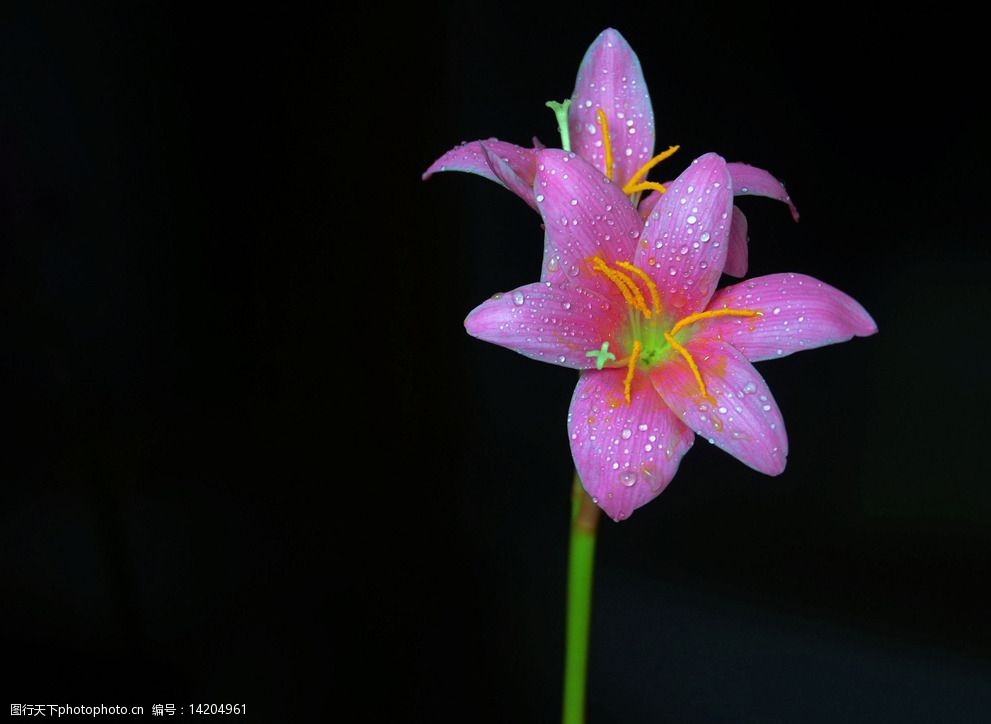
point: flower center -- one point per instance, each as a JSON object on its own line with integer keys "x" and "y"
{"x": 650, "y": 335}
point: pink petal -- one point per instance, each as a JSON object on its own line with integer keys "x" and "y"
{"x": 507, "y": 164}
{"x": 625, "y": 454}
{"x": 610, "y": 78}
{"x": 753, "y": 181}
{"x": 744, "y": 420}
{"x": 684, "y": 241}
{"x": 549, "y": 323}
{"x": 585, "y": 215}
{"x": 648, "y": 203}
{"x": 799, "y": 312}
{"x": 737, "y": 255}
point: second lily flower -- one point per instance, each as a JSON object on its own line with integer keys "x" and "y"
{"x": 609, "y": 121}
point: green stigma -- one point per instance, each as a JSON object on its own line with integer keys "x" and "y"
{"x": 603, "y": 354}
{"x": 561, "y": 112}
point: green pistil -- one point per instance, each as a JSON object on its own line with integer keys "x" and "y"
{"x": 601, "y": 355}
{"x": 561, "y": 112}
{"x": 650, "y": 333}
{"x": 651, "y": 356}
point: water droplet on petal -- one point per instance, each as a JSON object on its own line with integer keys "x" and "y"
{"x": 626, "y": 433}
{"x": 750, "y": 388}
{"x": 628, "y": 478}
{"x": 518, "y": 299}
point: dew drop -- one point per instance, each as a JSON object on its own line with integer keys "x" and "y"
{"x": 540, "y": 197}
{"x": 642, "y": 427}
{"x": 750, "y": 388}
{"x": 704, "y": 236}
{"x": 691, "y": 219}
{"x": 776, "y": 310}
{"x": 627, "y": 432}
{"x": 518, "y": 299}
{"x": 628, "y": 478}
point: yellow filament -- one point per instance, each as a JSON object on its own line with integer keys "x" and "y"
{"x": 606, "y": 143}
{"x": 630, "y": 368}
{"x": 644, "y": 186}
{"x": 691, "y": 364}
{"x": 693, "y": 318}
{"x": 631, "y": 292}
{"x": 651, "y": 287}
{"x": 645, "y": 169}
{"x": 600, "y": 266}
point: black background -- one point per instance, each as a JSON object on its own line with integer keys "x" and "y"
{"x": 253, "y": 457}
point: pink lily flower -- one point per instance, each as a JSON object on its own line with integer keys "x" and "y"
{"x": 610, "y": 124}
{"x": 664, "y": 355}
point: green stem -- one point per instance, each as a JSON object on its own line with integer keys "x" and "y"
{"x": 561, "y": 113}
{"x": 581, "y": 561}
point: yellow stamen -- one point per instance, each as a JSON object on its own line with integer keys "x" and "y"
{"x": 651, "y": 287}
{"x": 693, "y": 318}
{"x": 630, "y": 368}
{"x": 691, "y": 364}
{"x": 631, "y": 292}
{"x": 600, "y": 266}
{"x": 645, "y": 169}
{"x": 606, "y": 143}
{"x": 646, "y": 185}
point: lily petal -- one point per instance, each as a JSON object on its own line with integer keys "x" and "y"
{"x": 684, "y": 241}
{"x": 585, "y": 215}
{"x": 548, "y": 323}
{"x": 738, "y": 253}
{"x": 625, "y": 454}
{"x": 507, "y": 164}
{"x": 753, "y": 181}
{"x": 648, "y": 203}
{"x": 799, "y": 312}
{"x": 610, "y": 78}
{"x": 744, "y": 420}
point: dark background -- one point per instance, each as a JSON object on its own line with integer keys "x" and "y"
{"x": 253, "y": 457}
